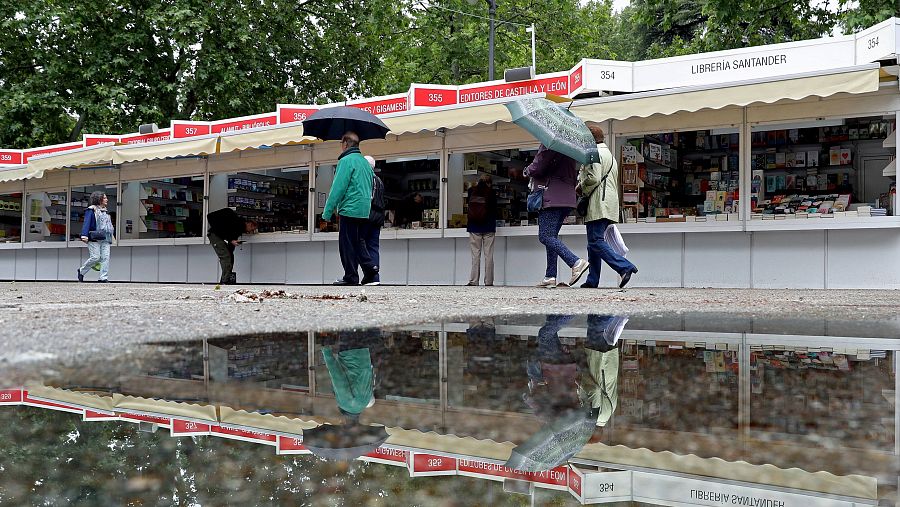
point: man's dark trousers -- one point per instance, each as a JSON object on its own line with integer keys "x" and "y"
{"x": 352, "y": 247}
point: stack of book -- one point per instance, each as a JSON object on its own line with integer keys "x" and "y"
{"x": 879, "y": 212}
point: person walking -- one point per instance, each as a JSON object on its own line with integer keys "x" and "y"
{"x": 372, "y": 230}
{"x": 600, "y": 183}
{"x": 557, "y": 174}
{"x": 97, "y": 232}
{"x": 225, "y": 228}
{"x": 482, "y": 226}
{"x": 350, "y": 199}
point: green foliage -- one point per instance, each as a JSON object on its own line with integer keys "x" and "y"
{"x": 91, "y": 66}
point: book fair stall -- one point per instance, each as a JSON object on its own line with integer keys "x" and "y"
{"x": 734, "y": 165}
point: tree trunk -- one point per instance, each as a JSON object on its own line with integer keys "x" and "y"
{"x": 75, "y": 135}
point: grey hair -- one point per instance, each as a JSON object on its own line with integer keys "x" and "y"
{"x": 97, "y": 198}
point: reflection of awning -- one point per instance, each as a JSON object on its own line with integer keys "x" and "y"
{"x": 264, "y": 136}
{"x": 862, "y": 79}
{"x": 268, "y": 422}
{"x": 165, "y": 149}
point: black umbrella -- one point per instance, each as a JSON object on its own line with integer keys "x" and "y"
{"x": 331, "y": 123}
{"x": 344, "y": 442}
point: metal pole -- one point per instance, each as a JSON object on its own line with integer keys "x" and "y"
{"x": 493, "y": 11}
{"x": 533, "y": 58}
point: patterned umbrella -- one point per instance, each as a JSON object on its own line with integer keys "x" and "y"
{"x": 556, "y": 128}
{"x": 329, "y": 124}
{"x": 556, "y": 442}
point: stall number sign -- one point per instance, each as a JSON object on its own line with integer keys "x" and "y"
{"x": 11, "y": 397}
{"x": 422, "y": 465}
{"x": 576, "y": 79}
{"x": 10, "y": 157}
{"x": 434, "y": 97}
{"x": 877, "y": 43}
{"x": 182, "y": 130}
{"x": 292, "y": 114}
{"x": 291, "y": 445}
{"x": 181, "y": 427}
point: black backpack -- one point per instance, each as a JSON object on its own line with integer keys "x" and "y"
{"x": 478, "y": 203}
{"x": 376, "y": 214}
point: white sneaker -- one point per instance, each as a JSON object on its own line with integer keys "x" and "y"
{"x": 547, "y": 283}
{"x": 578, "y": 270}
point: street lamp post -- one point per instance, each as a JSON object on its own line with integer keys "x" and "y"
{"x": 492, "y": 10}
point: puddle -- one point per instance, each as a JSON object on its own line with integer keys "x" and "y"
{"x": 660, "y": 410}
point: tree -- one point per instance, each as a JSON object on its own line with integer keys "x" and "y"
{"x": 856, "y": 16}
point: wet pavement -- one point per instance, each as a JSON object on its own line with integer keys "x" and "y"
{"x": 559, "y": 409}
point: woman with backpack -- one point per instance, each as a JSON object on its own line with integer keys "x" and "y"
{"x": 482, "y": 225}
{"x": 97, "y": 232}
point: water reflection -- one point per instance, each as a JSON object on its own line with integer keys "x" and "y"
{"x": 602, "y": 407}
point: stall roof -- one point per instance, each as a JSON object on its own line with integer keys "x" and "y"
{"x": 278, "y": 135}
{"x": 860, "y": 79}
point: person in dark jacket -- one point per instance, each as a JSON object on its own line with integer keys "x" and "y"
{"x": 225, "y": 227}
{"x": 371, "y": 232}
{"x": 97, "y": 232}
{"x": 482, "y": 225}
{"x": 558, "y": 175}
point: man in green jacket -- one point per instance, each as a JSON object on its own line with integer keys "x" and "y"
{"x": 351, "y": 199}
{"x": 600, "y": 181}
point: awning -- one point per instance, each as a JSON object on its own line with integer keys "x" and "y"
{"x": 278, "y": 135}
{"x": 205, "y": 145}
{"x": 862, "y": 79}
{"x": 22, "y": 173}
{"x": 102, "y": 153}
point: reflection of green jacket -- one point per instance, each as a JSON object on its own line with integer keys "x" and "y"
{"x": 352, "y": 378}
{"x": 590, "y": 176}
{"x": 603, "y": 392}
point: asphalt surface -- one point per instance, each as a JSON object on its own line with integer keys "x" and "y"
{"x": 45, "y": 322}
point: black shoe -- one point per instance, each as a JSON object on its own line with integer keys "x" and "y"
{"x": 342, "y": 282}
{"x": 586, "y": 285}
{"x": 626, "y": 278}
{"x": 80, "y": 276}
{"x": 369, "y": 277}
{"x": 102, "y": 281}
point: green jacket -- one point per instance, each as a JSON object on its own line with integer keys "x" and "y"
{"x": 352, "y": 377}
{"x": 351, "y": 190}
{"x": 604, "y": 390}
{"x": 590, "y": 176}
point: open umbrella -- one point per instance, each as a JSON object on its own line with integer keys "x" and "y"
{"x": 556, "y": 128}
{"x": 344, "y": 442}
{"x": 331, "y": 123}
{"x": 556, "y": 442}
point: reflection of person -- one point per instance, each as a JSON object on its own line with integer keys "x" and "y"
{"x": 552, "y": 372}
{"x": 350, "y": 199}
{"x": 557, "y": 174}
{"x": 603, "y": 332}
{"x": 372, "y": 230}
{"x": 482, "y": 225}
{"x": 352, "y": 373}
{"x": 225, "y": 227}
{"x": 97, "y": 232}
{"x": 601, "y": 182}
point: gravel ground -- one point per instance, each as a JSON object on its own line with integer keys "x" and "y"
{"x": 62, "y": 322}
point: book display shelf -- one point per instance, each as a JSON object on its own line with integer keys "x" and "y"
{"x": 278, "y": 201}
{"x": 504, "y": 167}
{"x": 680, "y": 177}
{"x": 822, "y": 171}
{"x": 169, "y": 208}
{"x": 403, "y": 180}
{"x": 80, "y": 200}
{"x": 488, "y": 370}
{"x": 47, "y": 214}
{"x": 10, "y": 218}
{"x": 272, "y": 359}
